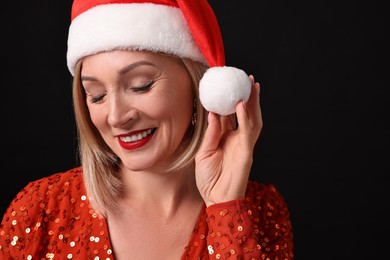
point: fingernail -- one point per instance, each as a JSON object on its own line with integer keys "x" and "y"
{"x": 244, "y": 104}
{"x": 252, "y": 79}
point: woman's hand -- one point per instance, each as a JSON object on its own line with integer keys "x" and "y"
{"x": 224, "y": 160}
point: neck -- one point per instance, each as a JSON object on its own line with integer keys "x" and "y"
{"x": 160, "y": 192}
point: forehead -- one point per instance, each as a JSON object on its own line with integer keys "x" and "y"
{"x": 120, "y": 58}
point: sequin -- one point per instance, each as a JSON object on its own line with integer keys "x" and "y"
{"x": 56, "y": 210}
{"x": 210, "y": 249}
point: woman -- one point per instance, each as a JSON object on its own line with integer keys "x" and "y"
{"x": 165, "y": 160}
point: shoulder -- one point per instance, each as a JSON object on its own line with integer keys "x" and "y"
{"x": 262, "y": 201}
{"x": 50, "y": 215}
{"x": 54, "y": 189}
{"x": 272, "y": 216}
{"x": 268, "y": 200}
{"x": 67, "y": 178}
{"x": 262, "y": 216}
{"x": 262, "y": 191}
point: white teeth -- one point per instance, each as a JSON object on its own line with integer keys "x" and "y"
{"x": 136, "y": 137}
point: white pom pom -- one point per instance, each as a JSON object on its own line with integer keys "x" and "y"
{"x": 221, "y": 88}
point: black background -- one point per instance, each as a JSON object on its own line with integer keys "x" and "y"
{"x": 324, "y": 100}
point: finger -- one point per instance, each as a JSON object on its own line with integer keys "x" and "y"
{"x": 252, "y": 100}
{"x": 227, "y": 124}
{"x": 252, "y": 79}
{"x": 254, "y": 108}
{"x": 249, "y": 113}
{"x": 242, "y": 117}
{"x": 212, "y": 134}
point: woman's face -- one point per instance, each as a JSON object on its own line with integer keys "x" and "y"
{"x": 140, "y": 102}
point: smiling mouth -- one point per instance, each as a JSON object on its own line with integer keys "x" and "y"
{"x": 137, "y": 137}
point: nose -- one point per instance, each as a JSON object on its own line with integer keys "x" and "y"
{"x": 120, "y": 111}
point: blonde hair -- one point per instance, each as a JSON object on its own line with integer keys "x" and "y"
{"x": 99, "y": 163}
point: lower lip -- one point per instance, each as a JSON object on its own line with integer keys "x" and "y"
{"x": 136, "y": 144}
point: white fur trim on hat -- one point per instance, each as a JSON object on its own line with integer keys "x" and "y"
{"x": 146, "y": 26}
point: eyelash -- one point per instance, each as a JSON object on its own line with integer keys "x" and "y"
{"x": 142, "y": 89}
{"x": 96, "y": 99}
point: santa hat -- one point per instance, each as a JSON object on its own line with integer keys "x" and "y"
{"x": 184, "y": 28}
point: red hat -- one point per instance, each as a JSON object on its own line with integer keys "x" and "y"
{"x": 184, "y": 28}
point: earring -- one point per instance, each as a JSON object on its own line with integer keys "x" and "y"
{"x": 194, "y": 115}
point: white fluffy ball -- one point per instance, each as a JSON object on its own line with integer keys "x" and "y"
{"x": 221, "y": 88}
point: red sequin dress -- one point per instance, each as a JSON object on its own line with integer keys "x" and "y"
{"x": 51, "y": 219}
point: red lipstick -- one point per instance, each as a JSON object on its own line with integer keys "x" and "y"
{"x": 135, "y": 144}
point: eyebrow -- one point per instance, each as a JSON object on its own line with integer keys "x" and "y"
{"x": 123, "y": 70}
{"x": 134, "y": 65}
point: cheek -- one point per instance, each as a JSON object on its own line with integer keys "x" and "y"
{"x": 169, "y": 110}
{"x": 98, "y": 118}
{"x": 177, "y": 106}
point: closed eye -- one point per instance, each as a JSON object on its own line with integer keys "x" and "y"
{"x": 97, "y": 99}
{"x": 143, "y": 88}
